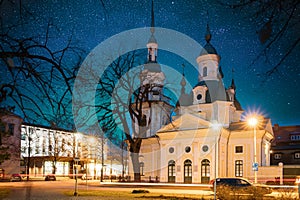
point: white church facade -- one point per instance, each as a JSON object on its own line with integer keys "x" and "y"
{"x": 207, "y": 137}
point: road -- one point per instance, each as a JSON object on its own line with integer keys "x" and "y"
{"x": 46, "y": 190}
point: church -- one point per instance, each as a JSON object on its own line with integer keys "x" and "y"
{"x": 206, "y": 138}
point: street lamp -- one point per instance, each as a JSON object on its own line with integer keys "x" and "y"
{"x": 76, "y": 160}
{"x": 216, "y": 129}
{"x": 252, "y": 122}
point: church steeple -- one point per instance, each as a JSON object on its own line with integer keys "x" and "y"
{"x": 152, "y": 43}
{"x": 208, "y": 34}
{"x": 152, "y": 19}
{"x": 208, "y": 60}
{"x": 184, "y": 98}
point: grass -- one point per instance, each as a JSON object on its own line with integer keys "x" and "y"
{"x": 4, "y": 192}
{"x": 113, "y": 195}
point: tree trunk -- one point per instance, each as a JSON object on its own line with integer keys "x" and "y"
{"x": 134, "y": 154}
{"x": 136, "y": 166}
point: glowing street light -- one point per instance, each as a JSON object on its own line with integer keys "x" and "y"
{"x": 216, "y": 127}
{"x": 252, "y": 122}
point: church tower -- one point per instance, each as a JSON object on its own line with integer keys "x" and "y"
{"x": 210, "y": 85}
{"x": 155, "y": 105}
{"x": 209, "y": 99}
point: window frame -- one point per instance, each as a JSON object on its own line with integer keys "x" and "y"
{"x": 240, "y": 148}
{"x": 238, "y": 168}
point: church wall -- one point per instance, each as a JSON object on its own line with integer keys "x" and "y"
{"x": 160, "y": 116}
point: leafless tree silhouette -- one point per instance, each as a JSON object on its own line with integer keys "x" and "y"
{"x": 278, "y": 26}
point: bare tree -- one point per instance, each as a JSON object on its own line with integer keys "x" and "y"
{"x": 37, "y": 79}
{"x": 119, "y": 104}
{"x": 38, "y": 73}
{"x": 276, "y": 20}
{"x": 117, "y": 85}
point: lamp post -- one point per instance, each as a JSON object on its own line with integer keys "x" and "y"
{"x": 253, "y": 123}
{"x": 216, "y": 129}
{"x": 76, "y": 160}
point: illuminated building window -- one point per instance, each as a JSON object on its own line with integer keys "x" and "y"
{"x": 277, "y": 156}
{"x": 238, "y": 168}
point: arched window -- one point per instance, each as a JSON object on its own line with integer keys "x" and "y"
{"x": 204, "y": 71}
{"x": 187, "y": 171}
{"x": 205, "y": 171}
{"x": 171, "y": 171}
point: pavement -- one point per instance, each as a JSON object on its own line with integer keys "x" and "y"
{"x": 38, "y": 189}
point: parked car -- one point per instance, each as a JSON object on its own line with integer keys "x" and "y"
{"x": 85, "y": 177}
{"x": 50, "y": 177}
{"x": 240, "y": 185}
{"x": 16, "y": 177}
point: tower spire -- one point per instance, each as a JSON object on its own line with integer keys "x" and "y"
{"x": 152, "y": 44}
{"x": 208, "y": 34}
{"x": 152, "y": 18}
{"x": 232, "y": 81}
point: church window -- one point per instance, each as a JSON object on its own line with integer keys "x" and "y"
{"x": 277, "y": 156}
{"x": 238, "y": 168}
{"x": 171, "y": 150}
{"x": 171, "y": 171}
{"x": 187, "y": 168}
{"x": 142, "y": 168}
{"x": 187, "y": 149}
{"x": 199, "y": 96}
{"x": 205, "y": 168}
{"x": 205, "y": 148}
{"x": 187, "y": 171}
{"x": 297, "y": 155}
{"x": 238, "y": 149}
{"x": 205, "y": 71}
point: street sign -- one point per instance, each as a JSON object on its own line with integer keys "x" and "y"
{"x": 255, "y": 166}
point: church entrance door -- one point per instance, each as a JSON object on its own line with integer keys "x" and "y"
{"x": 205, "y": 171}
{"x": 171, "y": 171}
{"x": 187, "y": 171}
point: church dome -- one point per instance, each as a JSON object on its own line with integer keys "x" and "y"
{"x": 152, "y": 39}
{"x": 208, "y": 49}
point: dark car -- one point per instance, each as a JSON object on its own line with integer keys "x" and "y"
{"x": 16, "y": 177}
{"x": 240, "y": 185}
{"x": 50, "y": 178}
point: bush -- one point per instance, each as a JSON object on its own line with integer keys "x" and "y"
{"x": 139, "y": 191}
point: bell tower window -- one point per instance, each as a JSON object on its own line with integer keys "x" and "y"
{"x": 205, "y": 71}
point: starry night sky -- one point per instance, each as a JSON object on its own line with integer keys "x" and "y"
{"x": 234, "y": 35}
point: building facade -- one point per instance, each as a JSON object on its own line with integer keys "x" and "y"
{"x": 47, "y": 150}
{"x": 10, "y": 145}
{"x": 285, "y": 149}
{"x": 207, "y": 137}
